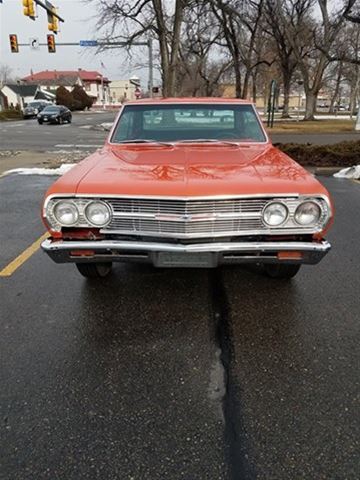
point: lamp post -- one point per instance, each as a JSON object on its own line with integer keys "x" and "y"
{"x": 101, "y": 77}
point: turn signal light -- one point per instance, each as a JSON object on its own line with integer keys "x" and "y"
{"x": 82, "y": 253}
{"x": 289, "y": 256}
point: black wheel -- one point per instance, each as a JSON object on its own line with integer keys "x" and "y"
{"x": 40, "y": 122}
{"x": 94, "y": 270}
{"x": 281, "y": 270}
{"x": 69, "y": 120}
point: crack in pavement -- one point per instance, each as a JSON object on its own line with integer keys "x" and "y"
{"x": 234, "y": 430}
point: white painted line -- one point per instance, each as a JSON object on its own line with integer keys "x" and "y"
{"x": 61, "y": 145}
{"x": 86, "y": 146}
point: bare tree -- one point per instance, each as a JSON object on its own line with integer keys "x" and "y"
{"x": 203, "y": 62}
{"x": 284, "y": 50}
{"x": 5, "y": 74}
{"x": 131, "y": 21}
{"x": 311, "y": 40}
{"x": 240, "y": 23}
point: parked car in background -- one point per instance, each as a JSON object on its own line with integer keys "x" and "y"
{"x": 177, "y": 187}
{"x": 54, "y": 114}
{"x": 33, "y": 108}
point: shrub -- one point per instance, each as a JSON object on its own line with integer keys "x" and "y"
{"x": 81, "y": 97}
{"x": 11, "y": 113}
{"x": 64, "y": 97}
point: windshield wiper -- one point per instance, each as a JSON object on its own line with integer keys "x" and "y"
{"x": 146, "y": 140}
{"x": 208, "y": 140}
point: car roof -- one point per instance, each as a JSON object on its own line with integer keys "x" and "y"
{"x": 187, "y": 100}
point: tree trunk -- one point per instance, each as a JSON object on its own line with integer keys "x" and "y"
{"x": 245, "y": 89}
{"x": 237, "y": 78}
{"x": 336, "y": 90}
{"x": 310, "y": 106}
{"x": 163, "y": 46}
{"x": 175, "y": 46}
{"x": 354, "y": 93}
{"x": 287, "y": 86}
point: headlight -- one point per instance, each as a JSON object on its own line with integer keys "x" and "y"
{"x": 275, "y": 214}
{"x": 307, "y": 213}
{"x": 66, "y": 213}
{"x": 98, "y": 213}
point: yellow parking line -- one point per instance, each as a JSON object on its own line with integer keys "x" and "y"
{"x": 23, "y": 257}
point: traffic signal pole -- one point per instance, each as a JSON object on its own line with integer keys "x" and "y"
{"x": 50, "y": 9}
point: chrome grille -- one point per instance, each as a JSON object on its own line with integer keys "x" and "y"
{"x": 185, "y": 218}
{"x": 182, "y": 219}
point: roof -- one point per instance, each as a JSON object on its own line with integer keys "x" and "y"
{"x": 44, "y": 95}
{"x": 189, "y": 100}
{"x": 47, "y": 75}
{"x": 22, "y": 90}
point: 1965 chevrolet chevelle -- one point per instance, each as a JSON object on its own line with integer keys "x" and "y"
{"x": 187, "y": 183}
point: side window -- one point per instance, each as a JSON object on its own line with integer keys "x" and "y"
{"x": 251, "y": 126}
{"x": 126, "y": 126}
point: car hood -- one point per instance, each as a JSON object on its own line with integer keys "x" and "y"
{"x": 189, "y": 170}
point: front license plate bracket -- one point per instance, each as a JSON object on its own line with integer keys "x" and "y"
{"x": 184, "y": 260}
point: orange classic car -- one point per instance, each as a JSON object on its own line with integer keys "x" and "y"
{"x": 187, "y": 182}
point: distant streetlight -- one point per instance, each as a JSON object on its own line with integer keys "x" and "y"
{"x": 101, "y": 77}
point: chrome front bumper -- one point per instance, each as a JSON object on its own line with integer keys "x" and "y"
{"x": 178, "y": 255}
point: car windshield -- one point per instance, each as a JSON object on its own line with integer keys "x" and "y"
{"x": 186, "y": 122}
{"x": 51, "y": 109}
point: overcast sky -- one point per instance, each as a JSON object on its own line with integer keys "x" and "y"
{"x": 79, "y": 25}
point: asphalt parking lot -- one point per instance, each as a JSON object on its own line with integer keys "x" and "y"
{"x": 176, "y": 374}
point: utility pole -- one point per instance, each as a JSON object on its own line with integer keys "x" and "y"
{"x": 151, "y": 68}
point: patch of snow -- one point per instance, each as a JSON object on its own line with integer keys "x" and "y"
{"x": 350, "y": 172}
{"x": 107, "y": 126}
{"x": 65, "y": 167}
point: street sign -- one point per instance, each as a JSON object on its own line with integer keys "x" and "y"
{"x": 34, "y": 43}
{"x": 88, "y": 43}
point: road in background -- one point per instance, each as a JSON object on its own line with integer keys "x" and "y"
{"x": 177, "y": 374}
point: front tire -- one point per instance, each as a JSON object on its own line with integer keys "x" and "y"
{"x": 276, "y": 270}
{"x": 40, "y": 122}
{"x": 94, "y": 270}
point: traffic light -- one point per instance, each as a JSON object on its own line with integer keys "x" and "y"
{"x": 29, "y": 8}
{"x": 14, "y": 46}
{"x": 53, "y": 23}
{"x": 51, "y": 43}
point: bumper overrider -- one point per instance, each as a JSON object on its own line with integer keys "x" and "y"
{"x": 197, "y": 255}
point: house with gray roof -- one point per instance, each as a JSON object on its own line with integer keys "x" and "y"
{"x": 19, "y": 95}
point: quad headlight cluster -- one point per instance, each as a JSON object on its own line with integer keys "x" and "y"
{"x": 78, "y": 213}
{"x": 307, "y": 213}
